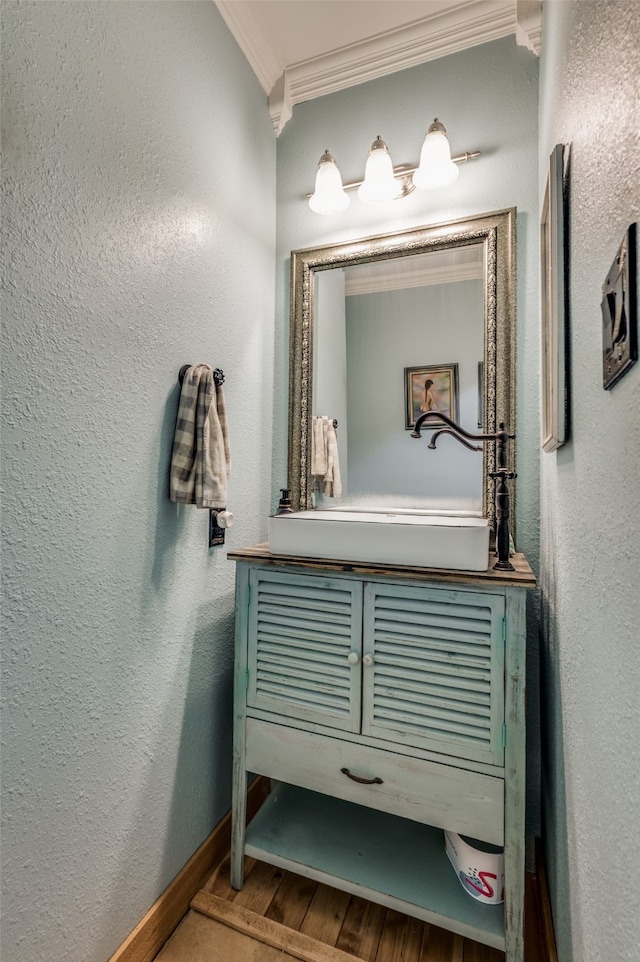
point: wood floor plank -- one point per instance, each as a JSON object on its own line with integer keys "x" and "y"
{"x": 356, "y": 927}
{"x": 401, "y": 938}
{"x": 260, "y": 887}
{"x": 543, "y": 902}
{"x": 326, "y": 914}
{"x": 266, "y": 930}
{"x": 360, "y": 933}
{"x": 220, "y": 881}
{"x": 474, "y": 952}
{"x": 201, "y": 939}
{"x": 533, "y": 943}
{"x": 291, "y": 902}
{"x": 438, "y": 945}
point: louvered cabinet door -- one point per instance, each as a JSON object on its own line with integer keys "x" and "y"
{"x": 305, "y": 638}
{"x": 433, "y": 670}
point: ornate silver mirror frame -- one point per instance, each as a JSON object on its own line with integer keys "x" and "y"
{"x": 497, "y": 234}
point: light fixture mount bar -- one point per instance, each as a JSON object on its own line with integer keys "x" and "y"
{"x": 403, "y": 173}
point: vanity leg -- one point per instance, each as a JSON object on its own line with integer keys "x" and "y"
{"x": 515, "y": 766}
{"x": 238, "y": 825}
{"x": 514, "y": 901}
{"x": 239, "y": 790}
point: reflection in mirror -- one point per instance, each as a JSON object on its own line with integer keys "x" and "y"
{"x": 392, "y": 339}
{"x": 386, "y": 327}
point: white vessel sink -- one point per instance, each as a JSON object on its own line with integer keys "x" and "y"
{"x": 422, "y": 540}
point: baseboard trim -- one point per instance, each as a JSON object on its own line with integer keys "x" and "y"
{"x": 151, "y": 933}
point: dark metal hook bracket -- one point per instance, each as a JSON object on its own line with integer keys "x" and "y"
{"x": 218, "y": 374}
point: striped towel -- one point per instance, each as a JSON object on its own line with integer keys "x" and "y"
{"x": 200, "y": 462}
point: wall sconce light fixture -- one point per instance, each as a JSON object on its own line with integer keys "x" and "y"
{"x": 382, "y": 181}
{"x": 379, "y": 183}
{"x": 329, "y": 196}
{"x": 436, "y": 168}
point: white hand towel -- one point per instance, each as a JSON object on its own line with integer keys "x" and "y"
{"x": 200, "y": 462}
{"x": 318, "y": 447}
{"x": 332, "y": 482}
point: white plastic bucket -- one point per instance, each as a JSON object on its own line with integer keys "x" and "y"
{"x": 479, "y": 867}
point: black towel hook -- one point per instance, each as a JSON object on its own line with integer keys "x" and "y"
{"x": 218, "y": 375}
{"x": 334, "y": 421}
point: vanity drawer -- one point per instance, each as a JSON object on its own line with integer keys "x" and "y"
{"x": 440, "y": 795}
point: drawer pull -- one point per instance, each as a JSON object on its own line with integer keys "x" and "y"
{"x": 361, "y": 781}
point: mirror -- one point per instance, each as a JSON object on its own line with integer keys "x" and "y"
{"x": 385, "y": 327}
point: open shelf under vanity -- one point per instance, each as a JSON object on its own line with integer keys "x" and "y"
{"x": 394, "y": 861}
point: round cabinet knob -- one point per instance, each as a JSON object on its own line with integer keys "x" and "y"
{"x": 353, "y": 657}
{"x": 225, "y": 519}
{"x": 367, "y": 660}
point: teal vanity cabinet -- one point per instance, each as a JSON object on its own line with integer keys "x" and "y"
{"x": 386, "y": 704}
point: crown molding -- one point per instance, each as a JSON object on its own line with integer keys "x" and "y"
{"x": 529, "y": 24}
{"x": 438, "y": 35}
{"x": 252, "y": 36}
{"x": 280, "y": 104}
{"x": 401, "y": 280}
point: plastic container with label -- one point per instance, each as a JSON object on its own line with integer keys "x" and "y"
{"x": 479, "y": 867}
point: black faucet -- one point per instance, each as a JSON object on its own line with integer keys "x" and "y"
{"x": 501, "y": 475}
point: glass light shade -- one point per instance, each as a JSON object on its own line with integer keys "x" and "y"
{"x": 379, "y": 184}
{"x": 436, "y": 167}
{"x": 328, "y": 196}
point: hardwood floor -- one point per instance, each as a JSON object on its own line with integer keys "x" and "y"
{"x": 280, "y": 916}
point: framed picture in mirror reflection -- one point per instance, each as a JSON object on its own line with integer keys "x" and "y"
{"x": 431, "y": 387}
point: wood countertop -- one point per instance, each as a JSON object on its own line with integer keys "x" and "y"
{"x": 521, "y": 577}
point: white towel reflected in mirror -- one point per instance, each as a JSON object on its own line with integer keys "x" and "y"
{"x": 325, "y": 464}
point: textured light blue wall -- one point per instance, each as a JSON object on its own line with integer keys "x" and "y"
{"x": 139, "y": 233}
{"x": 590, "y": 505}
{"x": 487, "y": 97}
